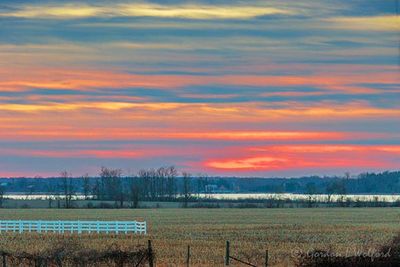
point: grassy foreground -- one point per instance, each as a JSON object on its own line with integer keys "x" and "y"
{"x": 282, "y": 231}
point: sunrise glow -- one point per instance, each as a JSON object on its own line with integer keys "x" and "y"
{"x": 238, "y": 88}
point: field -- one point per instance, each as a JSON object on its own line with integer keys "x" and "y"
{"x": 282, "y": 231}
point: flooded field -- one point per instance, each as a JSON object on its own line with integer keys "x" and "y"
{"x": 239, "y": 196}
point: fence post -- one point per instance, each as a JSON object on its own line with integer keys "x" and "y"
{"x": 150, "y": 251}
{"x": 188, "y": 256}
{"x": 227, "y": 254}
{"x": 266, "y": 258}
{"x": 4, "y": 260}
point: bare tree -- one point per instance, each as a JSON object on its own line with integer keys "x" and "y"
{"x": 311, "y": 190}
{"x": 186, "y": 188}
{"x": 201, "y": 183}
{"x": 86, "y": 186}
{"x": 144, "y": 179}
{"x": 135, "y": 191}
{"x": 172, "y": 173}
{"x": 160, "y": 180}
{"x": 2, "y": 191}
{"x": 329, "y": 191}
{"x": 52, "y": 189}
{"x": 111, "y": 185}
{"x": 96, "y": 189}
{"x": 67, "y": 188}
{"x": 152, "y": 175}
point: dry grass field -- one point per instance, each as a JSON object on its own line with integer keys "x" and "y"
{"x": 251, "y": 231}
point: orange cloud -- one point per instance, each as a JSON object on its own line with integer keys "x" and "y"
{"x": 287, "y": 157}
{"x": 66, "y": 133}
{"x": 21, "y": 80}
{"x": 130, "y": 121}
{"x": 248, "y": 163}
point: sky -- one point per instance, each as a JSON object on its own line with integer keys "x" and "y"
{"x": 229, "y": 88}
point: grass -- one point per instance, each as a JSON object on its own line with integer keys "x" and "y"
{"x": 282, "y": 231}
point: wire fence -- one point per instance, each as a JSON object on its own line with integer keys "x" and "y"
{"x": 69, "y": 254}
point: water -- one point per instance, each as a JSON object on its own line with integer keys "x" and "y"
{"x": 317, "y": 197}
{"x": 40, "y": 196}
{"x": 239, "y": 196}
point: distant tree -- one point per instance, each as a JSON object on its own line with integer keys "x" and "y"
{"x": 86, "y": 186}
{"x": 53, "y": 192}
{"x": 96, "y": 189}
{"x": 311, "y": 189}
{"x": 161, "y": 176}
{"x": 337, "y": 187}
{"x": 329, "y": 191}
{"x": 291, "y": 186}
{"x": 201, "y": 183}
{"x": 172, "y": 173}
{"x": 2, "y": 191}
{"x": 135, "y": 192}
{"x": 111, "y": 185}
{"x": 186, "y": 188}
{"x": 67, "y": 188}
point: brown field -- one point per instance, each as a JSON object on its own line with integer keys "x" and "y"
{"x": 251, "y": 231}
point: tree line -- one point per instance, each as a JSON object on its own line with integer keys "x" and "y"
{"x": 162, "y": 184}
{"x": 168, "y": 184}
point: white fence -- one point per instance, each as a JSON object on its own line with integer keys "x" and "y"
{"x": 74, "y": 226}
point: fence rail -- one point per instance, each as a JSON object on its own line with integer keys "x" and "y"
{"x": 79, "y": 227}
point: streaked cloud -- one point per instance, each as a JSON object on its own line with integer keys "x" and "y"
{"x": 203, "y": 12}
{"x": 76, "y": 79}
{"x": 372, "y": 23}
{"x": 249, "y": 88}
